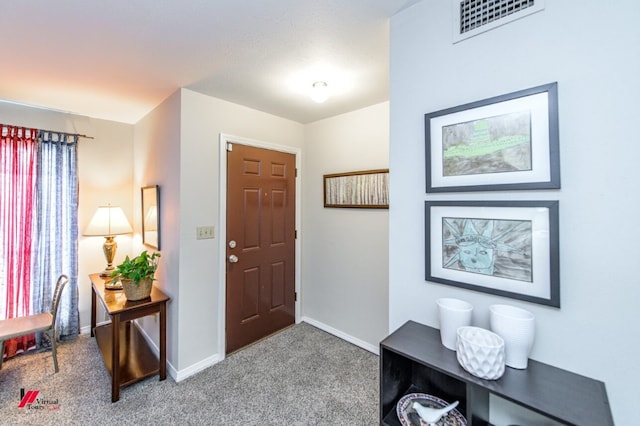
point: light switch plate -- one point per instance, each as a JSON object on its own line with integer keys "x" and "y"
{"x": 204, "y": 232}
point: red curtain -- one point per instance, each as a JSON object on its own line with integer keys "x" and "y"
{"x": 18, "y": 154}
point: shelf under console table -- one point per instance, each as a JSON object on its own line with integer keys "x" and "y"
{"x": 412, "y": 359}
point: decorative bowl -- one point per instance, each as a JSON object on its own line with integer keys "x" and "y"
{"x": 408, "y": 416}
{"x": 480, "y": 352}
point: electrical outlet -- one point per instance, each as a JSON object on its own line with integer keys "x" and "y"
{"x": 204, "y": 232}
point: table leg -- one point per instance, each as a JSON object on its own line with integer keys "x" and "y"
{"x": 93, "y": 310}
{"x": 163, "y": 341}
{"x": 115, "y": 358}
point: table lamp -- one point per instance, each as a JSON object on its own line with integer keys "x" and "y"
{"x": 106, "y": 222}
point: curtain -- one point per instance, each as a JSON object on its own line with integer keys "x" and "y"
{"x": 38, "y": 228}
{"x": 56, "y": 236}
{"x": 18, "y": 156}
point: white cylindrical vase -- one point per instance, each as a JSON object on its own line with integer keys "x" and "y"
{"x": 518, "y": 328}
{"x": 452, "y": 314}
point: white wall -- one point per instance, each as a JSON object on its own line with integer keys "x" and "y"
{"x": 345, "y": 251}
{"x": 104, "y": 173}
{"x": 156, "y": 161}
{"x": 592, "y": 53}
{"x": 203, "y": 118}
{"x": 348, "y": 297}
{"x": 189, "y": 169}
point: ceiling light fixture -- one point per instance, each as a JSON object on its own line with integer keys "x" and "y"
{"x": 319, "y": 92}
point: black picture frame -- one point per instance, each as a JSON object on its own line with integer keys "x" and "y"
{"x": 505, "y": 248}
{"x": 508, "y": 142}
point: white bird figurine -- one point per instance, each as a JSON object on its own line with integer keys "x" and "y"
{"x": 432, "y": 415}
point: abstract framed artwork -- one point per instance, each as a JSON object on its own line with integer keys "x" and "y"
{"x": 506, "y": 248}
{"x": 509, "y": 142}
{"x": 367, "y": 189}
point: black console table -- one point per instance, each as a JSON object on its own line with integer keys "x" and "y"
{"x": 412, "y": 359}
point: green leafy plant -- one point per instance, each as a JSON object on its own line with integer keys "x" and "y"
{"x": 137, "y": 269}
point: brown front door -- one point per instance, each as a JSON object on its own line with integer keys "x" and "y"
{"x": 260, "y": 244}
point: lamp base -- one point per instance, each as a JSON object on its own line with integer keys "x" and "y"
{"x": 106, "y": 273}
{"x": 110, "y": 283}
{"x": 113, "y": 285}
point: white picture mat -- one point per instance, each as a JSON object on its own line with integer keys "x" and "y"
{"x": 537, "y": 105}
{"x": 541, "y": 260}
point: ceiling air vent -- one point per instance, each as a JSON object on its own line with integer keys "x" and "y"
{"x": 472, "y": 17}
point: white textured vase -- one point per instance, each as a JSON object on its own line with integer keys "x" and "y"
{"x": 518, "y": 328}
{"x": 481, "y": 352}
{"x": 452, "y": 314}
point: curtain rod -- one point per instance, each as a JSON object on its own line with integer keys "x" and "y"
{"x": 52, "y": 131}
{"x": 7, "y": 101}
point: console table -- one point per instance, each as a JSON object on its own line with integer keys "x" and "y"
{"x": 412, "y": 359}
{"x": 126, "y": 353}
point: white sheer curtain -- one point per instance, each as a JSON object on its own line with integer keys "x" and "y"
{"x": 56, "y": 236}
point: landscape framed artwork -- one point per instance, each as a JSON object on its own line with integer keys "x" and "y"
{"x": 362, "y": 189}
{"x": 509, "y": 142}
{"x": 506, "y": 248}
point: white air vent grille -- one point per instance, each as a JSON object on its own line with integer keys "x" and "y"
{"x": 472, "y": 17}
{"x": 475, "y": 13}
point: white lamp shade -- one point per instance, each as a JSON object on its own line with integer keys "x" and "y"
{"x": 107, "y": 221}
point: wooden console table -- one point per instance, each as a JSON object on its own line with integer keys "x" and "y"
{"x": 412, "y": 359}
{"x": 121, "y": 344}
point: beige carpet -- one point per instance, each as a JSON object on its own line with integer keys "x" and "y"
{"x": 301, "y": 376}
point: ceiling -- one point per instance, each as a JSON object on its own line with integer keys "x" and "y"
{"x": 118, "y": 59}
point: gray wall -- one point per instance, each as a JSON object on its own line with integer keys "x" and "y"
{"x": 591, "y": 49}
{"x": 345, "y": 251}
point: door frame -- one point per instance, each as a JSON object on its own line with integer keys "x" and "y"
{"x": 222, "y": 226}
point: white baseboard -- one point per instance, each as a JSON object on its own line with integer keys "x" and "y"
{"x": 196, "y": 368}
{"x": 179, "y": 376}
{"x": 344, "y": 336}
{"x": 87, "y": 329}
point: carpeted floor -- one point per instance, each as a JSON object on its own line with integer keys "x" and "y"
{"x": 301, "y": 376}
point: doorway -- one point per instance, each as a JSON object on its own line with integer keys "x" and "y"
{"x": 259, "y": 243}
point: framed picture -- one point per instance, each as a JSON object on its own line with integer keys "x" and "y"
{"x": 151, "y": 216}
{"x": 364, "y": 189}
{"x": 508, "y": 142}
{"x": 507, "y": 248}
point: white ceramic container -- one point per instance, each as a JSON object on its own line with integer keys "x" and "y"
{"x": 452, "y": 314}
{"x": 517, "y": 327}
{"x": 481, "y": 352}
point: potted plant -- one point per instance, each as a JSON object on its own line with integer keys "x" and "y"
{"x": 137, "y": 275}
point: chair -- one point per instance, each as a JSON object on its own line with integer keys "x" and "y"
{"x": 45, "y": 322}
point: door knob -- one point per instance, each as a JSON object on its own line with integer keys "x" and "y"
{"x": 233, "y": 258}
